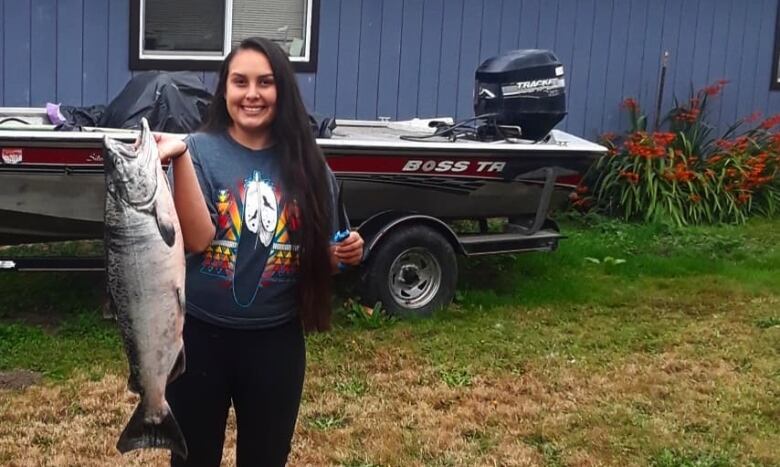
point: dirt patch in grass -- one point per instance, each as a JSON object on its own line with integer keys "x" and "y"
{"x": 395, "y": 409}
{"x": 47, "y": 321}
{"x": 74, "y": 423}
{"x": 18, "y": 379}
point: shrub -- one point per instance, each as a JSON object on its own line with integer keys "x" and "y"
{"x": 683, "y": 175}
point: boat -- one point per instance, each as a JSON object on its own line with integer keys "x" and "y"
{"x": 403, "y": 183}
{"x": 52, "y": 185}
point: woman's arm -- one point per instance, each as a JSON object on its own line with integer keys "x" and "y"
{"x": 196, "y": 226}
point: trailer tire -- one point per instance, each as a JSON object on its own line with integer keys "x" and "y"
{"x": 412, "y": 272}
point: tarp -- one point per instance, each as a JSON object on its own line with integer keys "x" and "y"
{"x": 174, "y": 102}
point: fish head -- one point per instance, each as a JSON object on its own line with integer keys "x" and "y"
{"x": 131, "y": 170}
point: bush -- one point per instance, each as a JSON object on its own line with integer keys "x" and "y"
{"x": 683, "y": 175}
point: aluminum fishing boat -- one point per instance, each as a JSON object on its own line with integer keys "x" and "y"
{"x": 52, "y": 186}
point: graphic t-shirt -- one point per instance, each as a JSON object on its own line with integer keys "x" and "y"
{"x": 247, "y": 277}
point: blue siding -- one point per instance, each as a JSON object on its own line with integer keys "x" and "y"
{"x": 327, "y": 60}
{"x": 700, "y": 62}
{"x": 450, "y": 58}
{"x": 368, "y": 65}
{"x": 430, "y": 58}
{"x": 16, "y": 27}
{"x": 95, "y": 66}
{"x": 307, "y": 83}
{"x": 491, "y": 35}
{"x": 529, "y": 24}
{"x": 405, "y": 58}
{"x": 409, "y": 67}
{"x": 597, "y": 66}
{"x": 390, "y": 59}
{"x": 652, "y": 54}
{"x": 548, "y": 20}
{"x": 43, "y": 70}
{"x": 510, "y": 28}
{"x": 69, "y": 51}
{"x": 734, "y": 53}
{"x": 469, "y": 55}
{"x": 750, "y": 58}
{"x": 616, "y": 64}
{"x": 348, "y": 56}
{"x": 579, "y": 70}
{"x": 118, "y": 44}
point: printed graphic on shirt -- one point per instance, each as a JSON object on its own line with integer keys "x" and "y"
{"x": 220, "y": 259}
{"x": 260, "y": 209}
{"x": 256, "y": 204}
{"x": 282, "y": 261}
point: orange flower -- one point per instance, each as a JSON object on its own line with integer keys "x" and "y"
{"x": 770, "y": 122}
{"x": 631, "y": 177}
{"x": 752, "y": 118}
{"x": 631, "y": 104}
{"x": 695, "y": 198}
{"x": 716, "y": 88}
{"x": 682, "y": 174}
{"x": 664, "y": 138}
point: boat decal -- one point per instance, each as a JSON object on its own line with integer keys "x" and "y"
{"x": 449, "y": 167}
{"x": 12, "y": 156}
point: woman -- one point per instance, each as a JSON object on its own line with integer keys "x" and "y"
{"x": 257, "y": 206}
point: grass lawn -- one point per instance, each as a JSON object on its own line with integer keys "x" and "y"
{"x": 630, "y": 345}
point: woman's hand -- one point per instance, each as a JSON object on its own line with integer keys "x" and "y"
{"x": 169, "y": 146}
{"x": 349, "y": 251}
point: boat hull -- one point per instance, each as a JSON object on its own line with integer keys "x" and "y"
{"x": 43, "y": 208}
{"x": 52, "y": 186}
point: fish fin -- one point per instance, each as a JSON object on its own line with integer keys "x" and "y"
{"x": 182, "y": 300}
{"x": 165, "y": 435}
{"x": 178, "y": 366}
{"x": 165, "y": 224}
{"x": 133, "y": 384}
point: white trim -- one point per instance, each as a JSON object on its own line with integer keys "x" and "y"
{"x": 307, "y": 43}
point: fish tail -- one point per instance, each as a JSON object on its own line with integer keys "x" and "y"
{"x": 139, "y": 433}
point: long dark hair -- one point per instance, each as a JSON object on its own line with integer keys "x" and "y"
{"x": 304, "y": 178}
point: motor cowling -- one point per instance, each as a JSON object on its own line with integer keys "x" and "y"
{"x": 524, "y": 88}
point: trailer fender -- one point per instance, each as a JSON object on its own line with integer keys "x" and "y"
{"x": 379, "y": 226}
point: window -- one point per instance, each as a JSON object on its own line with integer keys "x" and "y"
{"x": 198, "y": 34}
{"x": 775, "y": 84}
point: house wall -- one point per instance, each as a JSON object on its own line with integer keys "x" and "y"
{"x": 404, "y": 58}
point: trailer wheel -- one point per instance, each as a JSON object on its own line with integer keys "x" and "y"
{"x": 411, "y": 272}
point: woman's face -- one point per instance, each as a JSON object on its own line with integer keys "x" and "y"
{"x": 250, "y": 94}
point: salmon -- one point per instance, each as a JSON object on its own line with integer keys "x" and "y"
{"x": 145, "y": 270}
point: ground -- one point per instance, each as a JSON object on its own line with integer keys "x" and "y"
{"x": 631, "y": 345}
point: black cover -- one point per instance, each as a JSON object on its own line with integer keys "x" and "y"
{"x": 524, "y": 88}
{"x": 76, "y": 117}
{"x": 172, "y": 102}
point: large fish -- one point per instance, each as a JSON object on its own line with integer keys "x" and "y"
{"x": 145, "y": 269}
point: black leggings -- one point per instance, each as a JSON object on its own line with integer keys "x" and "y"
{"x": 259, "y": 371}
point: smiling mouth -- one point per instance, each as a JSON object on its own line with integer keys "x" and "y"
{"x": 252, "y": 109}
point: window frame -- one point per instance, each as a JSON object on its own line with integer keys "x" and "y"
{"x": 774, "y": 84}
{"x": 180, "y": 62}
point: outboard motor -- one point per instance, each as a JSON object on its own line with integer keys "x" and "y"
{"x": 524, "y": 88}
